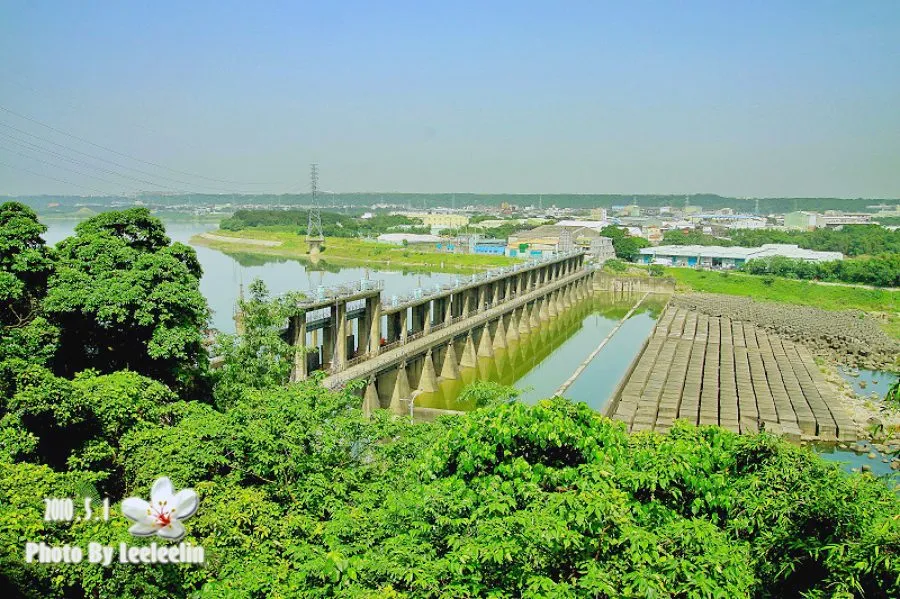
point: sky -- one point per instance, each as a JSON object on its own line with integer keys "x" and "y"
{"x": 740, "y": 98}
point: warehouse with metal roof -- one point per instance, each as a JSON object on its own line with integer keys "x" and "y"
{"x": 715, "y": 256}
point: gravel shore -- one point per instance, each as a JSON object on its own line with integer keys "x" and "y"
{"x": 849, "y": 337}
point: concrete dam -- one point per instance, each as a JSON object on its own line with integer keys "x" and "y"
{"x": 401, "y": 347}
{"x": 402, "y": 344}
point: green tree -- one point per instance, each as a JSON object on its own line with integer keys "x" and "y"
{"x": 25, "y": 264}
{"x": 260, "y": 356}
{"x": 615, "y": 265}
{"x": 627, "y": 248}
{"x": 124, "y": 297}
{"x": 679, "y": 237}
{"x": 487, "y": 393}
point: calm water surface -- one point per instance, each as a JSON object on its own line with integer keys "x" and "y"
{"x": 538, "y": 364}
{"x": 223, "y": 274}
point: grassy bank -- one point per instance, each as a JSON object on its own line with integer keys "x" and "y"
{"x": 350, "y": 251}
{"x": 881, "y": 303}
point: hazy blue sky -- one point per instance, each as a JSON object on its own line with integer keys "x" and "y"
{"x": 739, "y": 98}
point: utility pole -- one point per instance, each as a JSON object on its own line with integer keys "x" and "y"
{"x": 314, "y": 237}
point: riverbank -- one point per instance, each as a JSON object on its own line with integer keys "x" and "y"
{"x": 880, "y": 305}
{"x": 849, "y": 337}
{"x": 352, "y": 252}
{"x": 866, "y": 411}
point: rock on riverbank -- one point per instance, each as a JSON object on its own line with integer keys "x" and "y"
{"x": 849, "y": 337}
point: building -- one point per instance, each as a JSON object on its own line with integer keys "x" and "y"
{"x": 732, "y": 221}
{"x": 438, "y": 221}
{"x": 836, "y": 219}
{"x": 803, "y": 221}
{"x": 490, "y": 247}
{"x": 591, "y": 224}
{"x": 601, "y": 249}
{"x": 653, "y": 233}
{"x": 599, "y": 214}
{"x": 714, "y": 256}
{"x": 550, "y": 239}
{"x": 399, "y": 238}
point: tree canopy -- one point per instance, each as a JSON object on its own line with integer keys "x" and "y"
{"x": 302, "y": 495}
{"x": 25, "y": 264}
{"x": 850, "y": 240}
{"x": 124, "y": 296}
{"x": 626, "y": 247}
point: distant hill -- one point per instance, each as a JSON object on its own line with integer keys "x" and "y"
{"x": 69, "y": 204}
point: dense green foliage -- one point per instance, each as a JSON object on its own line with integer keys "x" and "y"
{"x": 850, "y": 240}
{"x": 881, "y": 271}
{"x": 679, "y": 237}
{"x": 333, "y": 224}
{"x": 656, "y": 270}
{"x": 302, "y": 496}
{"x": 260, "y": 357}
{"x": 615, "y": 265}
{"x": 25, "y": 264}
{"x": 626, "y": 247}
{"x": 124, "y": 296}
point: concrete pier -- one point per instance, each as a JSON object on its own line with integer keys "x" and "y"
{"x": 358, "y": 324}
{"x": 711, "y": 370}
{"x": 451, "y": 347}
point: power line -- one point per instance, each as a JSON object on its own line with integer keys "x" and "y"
{"x": 79, "y": 108}
{"x": 25, "y": 144}
{"x": 100, "y": 158}
{"x": 117, "y": 153}
{"x": 27, "y": 170}
{"x": 60, "y": 166}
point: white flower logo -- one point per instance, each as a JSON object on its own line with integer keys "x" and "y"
{"x": 164, "y": 513}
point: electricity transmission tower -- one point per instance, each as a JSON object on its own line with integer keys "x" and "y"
{"x": 314, "y": 237}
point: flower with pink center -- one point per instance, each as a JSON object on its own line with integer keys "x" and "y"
{"x": 163, "y": 514}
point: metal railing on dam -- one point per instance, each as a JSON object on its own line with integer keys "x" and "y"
{"x": 345, "y": 326}
{"x": 390, "y": 356}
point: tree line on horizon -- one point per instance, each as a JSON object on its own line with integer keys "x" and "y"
{"x": 418, "y": 201}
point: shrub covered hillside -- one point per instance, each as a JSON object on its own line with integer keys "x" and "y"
{"x": 301, "y": 496}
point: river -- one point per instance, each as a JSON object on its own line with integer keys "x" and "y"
{"x": 224, "y": 274}
{"x": 538, "y": 366}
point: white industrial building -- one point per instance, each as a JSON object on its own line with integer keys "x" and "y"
{"x": 715, "y": 256}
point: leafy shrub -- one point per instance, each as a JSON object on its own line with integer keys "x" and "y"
{"x": 615, "y": 265}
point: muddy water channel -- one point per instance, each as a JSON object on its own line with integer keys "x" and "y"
{"x": 540, "y": 362}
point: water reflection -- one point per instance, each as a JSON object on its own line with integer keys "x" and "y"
{"x": 224, "y": 274}
{"x": 856, "y": 461}
{"x": 866, "y": 383}
{"x": 538, "y": 363}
